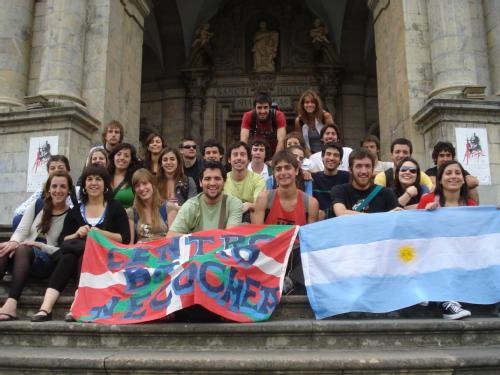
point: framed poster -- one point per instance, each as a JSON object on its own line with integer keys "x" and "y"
{"x": 472, "y": 152}
{"x": 41, "y": 148}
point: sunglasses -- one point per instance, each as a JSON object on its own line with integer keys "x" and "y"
{"x": 412, "y": 170}
{"x": 189, "y": 146}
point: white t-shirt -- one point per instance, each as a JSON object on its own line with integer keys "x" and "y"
{"x": 317, "y": 161}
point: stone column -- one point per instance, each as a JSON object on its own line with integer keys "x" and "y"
{"x": 492, "y": 20}
{"x": 16, "y": 25}
{"x": 452, "y": 50}
{"x": 61, "y": 72}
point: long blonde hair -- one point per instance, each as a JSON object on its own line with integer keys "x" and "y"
{"x": 157, "y": 223}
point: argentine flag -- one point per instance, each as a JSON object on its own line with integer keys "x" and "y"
{"x": 387, "y": 261}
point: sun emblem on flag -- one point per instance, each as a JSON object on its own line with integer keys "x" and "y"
{"x": 407, "y": 253}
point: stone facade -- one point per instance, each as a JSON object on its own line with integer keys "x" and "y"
{"x": 405, "y": 68}
{"x": 68, "y": 67}
{"x": 436, "y": 71}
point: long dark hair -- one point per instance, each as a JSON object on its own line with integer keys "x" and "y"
{"x": 396, "y": 185}
{"x": 179, "y": 174}
{"x": 134, "y": 161}
{"x": 48, "y": 205}
{"x": 147, "y": 154}
{"x": 96, "y": 170}
{"x": 438, "y": 191}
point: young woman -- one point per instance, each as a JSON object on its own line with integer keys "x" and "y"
{"x": 97, "y": 156}
{"x": 123, "y": 163}
{"x": 33, "y": 246}
{"x": 98, "y": 211}
{"x": 154, "y": 144}
{"x": 296, "y": 139}
{"x": 407, "y": 187}
{"x": 173, "y": 184}
{"x": 311, "y": 119}
{"x": 55, "y": 163}
{"x": 451, "y": 191}
{"x": 150, "y": 216}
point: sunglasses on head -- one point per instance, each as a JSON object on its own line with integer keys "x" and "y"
{"x": 189, "y": 146}
{"x": 408, "y": 169}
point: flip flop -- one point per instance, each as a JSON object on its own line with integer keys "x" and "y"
{"x": 9, "y": 317}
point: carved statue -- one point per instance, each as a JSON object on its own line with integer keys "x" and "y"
{"x": 200, "y": 49}
{"x": 318, "y": 32}
{"x": 265, "y": 47}
{"x": 325, "y": 51}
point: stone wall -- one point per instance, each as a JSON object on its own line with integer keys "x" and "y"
{"x": 77, "y": 66}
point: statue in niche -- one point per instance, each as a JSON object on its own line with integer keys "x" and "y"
{"x": 325, "y": 53}
{"x": 201, "y": 51}
{"x": 318, "y": 32}
{"x": 265, "y": 48}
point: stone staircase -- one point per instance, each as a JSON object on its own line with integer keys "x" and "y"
{"x": 410, "y": 341}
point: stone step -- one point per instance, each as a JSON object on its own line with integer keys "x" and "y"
{"x": 42, "y": 360}
{"x": 273, "y": 335}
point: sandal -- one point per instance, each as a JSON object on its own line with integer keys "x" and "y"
{"x": 10, "y": 317}
{"x": 42, "y": 318}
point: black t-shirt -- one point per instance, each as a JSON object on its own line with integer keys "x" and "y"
{"x": 194, "y": 172}
{"x": 323, "y": 184}
{"x": 347, "y": 195}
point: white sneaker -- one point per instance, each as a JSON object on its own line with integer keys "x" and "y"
{"x": 453, "y": 310}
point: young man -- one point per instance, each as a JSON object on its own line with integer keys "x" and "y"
{"x": 212, "y": 150}
{"x": 400, "y": 149}
{"x": 372, "y": 144}
{"x": 329, "y": 133}
{"x": 360, "y": 195}
{"x": 112, "y": 135}
{"x": 286, "y": 204}
{"x": 242, "y": 183}
{"x": 323, "y": 182}
{"x": 210, "y": 209}
{"x": 192, "y": 165}
{"x": 264, "y": 123}
{"x": 259, "y": 154}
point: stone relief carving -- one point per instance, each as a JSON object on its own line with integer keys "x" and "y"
{"x": 265, "y": 48}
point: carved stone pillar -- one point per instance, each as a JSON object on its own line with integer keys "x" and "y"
{"x": 196, "y": 81}
{"x": 16, "y": 26}
{"x": 328, "y": 78}
{"x": 61, "y": 73}
{"x": 451, "y": 45}
{"x": 492, "y": 21}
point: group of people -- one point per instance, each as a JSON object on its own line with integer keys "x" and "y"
{"x": 271, "y": 177}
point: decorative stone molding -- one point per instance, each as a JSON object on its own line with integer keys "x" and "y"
{"x": 440, "y": 110}
{"x": 137, "y": 9}
{"x": 53, "y": 118}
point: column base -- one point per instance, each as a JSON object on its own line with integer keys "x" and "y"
{"x": 72, "y": 124}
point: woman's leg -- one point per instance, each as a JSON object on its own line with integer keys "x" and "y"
{"x": 66, "y": 267}
{"x": 23, "y": 258}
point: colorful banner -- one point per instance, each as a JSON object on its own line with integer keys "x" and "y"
{"x": 236, "y": 273}
{"x": 387, "y": 261}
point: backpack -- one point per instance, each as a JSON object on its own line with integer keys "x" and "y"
{"x": 38, "y": 208}
{"x": 272, "y": 194}
{"x": 272, "y": 115}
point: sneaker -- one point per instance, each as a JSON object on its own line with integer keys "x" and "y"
{"x": 453, "y": 310}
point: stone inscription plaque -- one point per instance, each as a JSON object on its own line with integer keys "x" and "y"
{"x": 284, "y": 102}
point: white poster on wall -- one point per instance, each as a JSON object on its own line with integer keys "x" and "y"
{"x": 41, "y": 148}
{"x": 472, "y": 152}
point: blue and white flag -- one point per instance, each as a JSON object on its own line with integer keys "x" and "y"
{"x": 388, "y": 261}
